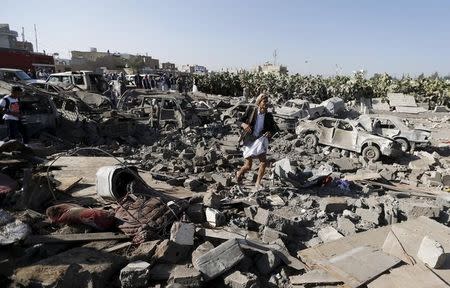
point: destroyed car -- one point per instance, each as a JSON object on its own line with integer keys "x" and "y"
{"x": 168, "y": 110}
{"x": 397, "y": 129}
{"x": 301, "y": 109}
{"x": 15, "y": 75}
{"x": 85, "y": 80}
{"x": 347, "y": 135}
{"x": 38, "y": 112}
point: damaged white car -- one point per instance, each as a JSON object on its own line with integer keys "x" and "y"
{"x": 397, "y": 129}
{"x": 347, "y": 135}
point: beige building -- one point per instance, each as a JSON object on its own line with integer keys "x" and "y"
{"x": 8, "y": 39}
{"x": 93, "y": 59}
{"x": 270, "y": 68}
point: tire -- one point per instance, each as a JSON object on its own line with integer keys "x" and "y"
{"x": 371, "y": 153}
{"x": 404, "y": 143}
{"x": 311, "y": 140}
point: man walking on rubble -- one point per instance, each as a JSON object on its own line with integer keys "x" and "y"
{"x": 259, "y": 126}
{"x": 11, "y": 107}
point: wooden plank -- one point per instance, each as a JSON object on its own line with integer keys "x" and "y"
{"x": 359, "y": 265}
{"x": 67, "y": 182}
{"x": 118, "y": 247}
{"x": 34, "y": 239}
{"x": 362, "y": 176}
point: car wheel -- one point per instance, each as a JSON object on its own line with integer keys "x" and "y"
{"x": 311, "y": 140}
{"x": 404, "y": 143}
{"x": 371, "y": 153}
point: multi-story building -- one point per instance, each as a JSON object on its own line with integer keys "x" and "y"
{"x": 168, "y": 66}
{"x": 270, "y": 68}
{"x": 8, "y": 39}
{"x": 93, "y": 59}
{"x": 194, "y": 69}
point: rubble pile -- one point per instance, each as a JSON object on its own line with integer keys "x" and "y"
{"x": 159, "y": 206}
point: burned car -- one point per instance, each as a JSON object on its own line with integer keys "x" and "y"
{"x": 396, "y": 128}
{"x": 347, "y": 135}
{"x": 166, "y": 110}
{"x": 38, "y": 112}
{"x": 301, "y": 109}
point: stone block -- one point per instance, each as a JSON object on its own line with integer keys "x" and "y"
{"x": 269, "y": 235}
{"x": 333, "y": 204}
{"x": 431, "y": 253}
{"x": 414, "y": 210}
{"x": 201, "y": 249}
{"x": 345, "y": 226}
{"x": 268, "y": 262}
{"x": 329, "y": 234}
{"x": 195, "y": 185}
{"x": 161, "y": 272}
{"x": 369, "y": 215}
{"x": 135, "y": 274}
{"x": 196, "y": 213}
{"x": 145, "y": 251}
{"x": 215, "y": 217}
{"x": 182, "y": 233}
{"x": 171, "y": 252}
{"x": 211, "y": 199}
{"x": 237, "y": 279}
{"x": 220, "y": 259}
{"x": 185, "y": 276}
{"x": 224, "y": 181}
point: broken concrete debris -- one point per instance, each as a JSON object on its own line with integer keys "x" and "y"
{"x": 165, "y": 210}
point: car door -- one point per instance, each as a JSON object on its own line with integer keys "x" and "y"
{"x": 345, "y": 135}
{"x": 327, "y": 127}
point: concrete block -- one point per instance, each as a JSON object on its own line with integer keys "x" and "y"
{"x": 201, "y": 249}
{"x": 171, "y": 252}
{"x": 268, "y": 262}
{"x": 220, "y": 259}
{"x": 329, "y": 234}
{"x": 161, "y": 271}
{"x": 145, "y": 251}
{"x": 224, "y": 181}
{"x": 237, "y": 279}
{"x": 135, "y": 274}
{"x": 214, "y": 217}
{"x": 333, "y": 204}
{"x": 182, "y": 233}
{"x": 196, "y": 213}
{"x": 431, "y": 253}
{"x": 345, "y": 226}
{"x": 211, "y": 199}
{"x": 269, "y": 235}
{"x": 369, "y": 215}
{"x": 185, "y": 276}
{"x": 414, "y": 210}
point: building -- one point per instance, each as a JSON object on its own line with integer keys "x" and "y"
{"x": 93, "y": 59}
{"x": 194, "y": 69}
{"x": 8, "y": 39}
{"x": 270, "y": 68}
{"x": 168, "y": 66}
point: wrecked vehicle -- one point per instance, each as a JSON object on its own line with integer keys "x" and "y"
{"x": 397, "y": 129}
{"x": 347, "y": 135}
{"x": 334, "y": 105}
{"x": 15, "y": 75}
{"x": 85, "y": 80}
{"x": 301, "y": 109}
{"x": 38, "y": 112}
{"x": 167, "y": 110}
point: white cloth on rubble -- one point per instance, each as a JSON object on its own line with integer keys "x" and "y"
{"x": 258, "y": 147}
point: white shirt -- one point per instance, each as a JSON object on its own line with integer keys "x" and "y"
{"x": 259, "y": 124}
{"x": 13, "y": 106}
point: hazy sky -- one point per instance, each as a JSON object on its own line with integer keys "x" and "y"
{"x": 316, "y": 37}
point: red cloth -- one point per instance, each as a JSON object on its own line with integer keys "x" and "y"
{"x": 74, "y": 214}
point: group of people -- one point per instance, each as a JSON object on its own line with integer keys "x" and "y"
{"x": 39, "y": 74}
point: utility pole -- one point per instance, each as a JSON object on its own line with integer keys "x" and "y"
{"x": 35, "y": 38}
{"x": 275, "y": 57}
{"x": 23, "y": 36}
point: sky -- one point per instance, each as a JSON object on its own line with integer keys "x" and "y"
{"x": 311, "y": 37}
